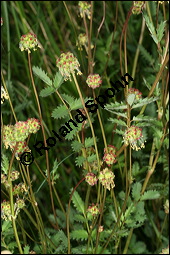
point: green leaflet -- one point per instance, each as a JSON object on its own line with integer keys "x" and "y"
{"x": 78, "y": 202}
{"x": 79, "y": 161}
{"x": 131, "y": 98}
{"x": 79, "y": 234}
{"x": 119, "y": 122}
{"x": 76, "y": 146}
{"x": 47, "y": 91}
{"x": 150, "y": 194}
{"x": 146, "y": 55}
{"x": 58, "y": 80}
{"x": 136, "y": 189}
{"x": 92, "y": 158}
{"x": 42, "y": 75}
{"x": 144, "y": 101}
{"x": 160, "y": 30}
{"x": 150, "y": 27}
{"x": 60, "y": 112}
{"x": 89, "y": 141}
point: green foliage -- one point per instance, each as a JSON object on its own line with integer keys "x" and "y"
{"x": 42, "y": 75}
{"x": 79, "y": 234}
{"x": 136, "y": 189}
{"x": 47, "y": 91}
{"x": 76, "y": 146}
{"x": 150, "y": 194}
{"x": 58, "y": 80}
{"x": 60, "y": 112}
{"x": 78, "y": 202}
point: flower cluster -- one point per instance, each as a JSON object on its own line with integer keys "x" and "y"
{"x": 110, "y": 157}
{"x": 91, "y": 179}
{"x": 137, "y": 7}
{"x": 84, "y": 8}
{"x": 94, "y": 81}
{"x": 133, "y": 136}
{"x": 137, "y": 93}
{"x": 14, "y": 135}
{"x": 93, "y": 210}
{"x": 20, "y": 203}
{"x": 67, "y": 65}
{"x": 106, "y": 178}
{"x": 29, "y": 42}
{"x": 83, "y": 41}
{"x": 100, "y": 229}
{"x": 4, "y": 95}
{"x": 19, "y": 189}
{"x": 6, "y": 210}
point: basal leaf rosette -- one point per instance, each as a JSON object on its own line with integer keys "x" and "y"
{"x": 29, "y": 42}
{"x": 133, "y": 136}
{"x": 67, "y": 65}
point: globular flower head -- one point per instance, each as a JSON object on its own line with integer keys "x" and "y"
{"x": 1, "y": 21}
{"x": 137, "y": 93}
{"x": 93, "y": 210}
{"x": 6, "y": 210}
{"x": 67, "y": 65}
{"x": 19, "y": 189}
{"x": 21, "y": 131}
{"x": 4, "y": 95}
{"x": 14, "y": 175}
{"x": 100, "y": 229}
{"x": 33, "y": 125}
{"x": 94, "y": 81}
{"x": 29, "y": 42}
{"x": 3, "y": 178}
{"x": 110, "y": 157}
{"x": 106, "y": 178}
{"x": 84, "y": 8}
{"x": 137, "y": 7}
{"x": 111, "y": 149}
{"x": 91, "y": 179}
{"x": 133, "y": 136}
{"x": 83, "y": 41}
{"x": 19, "y": 148}
{"x": 166, "y": 206}
{"x": 20, "y": 203}
{"x": 8, "y": 135}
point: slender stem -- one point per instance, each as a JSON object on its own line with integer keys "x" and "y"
{"x": 6, "y": 90}
{"x": 128, "y": 241}
{"x": 12, "y": 203}
{"x": 91, "y": 126}
{"x": 44, "y": 137}
{"x": 101, "y": 124}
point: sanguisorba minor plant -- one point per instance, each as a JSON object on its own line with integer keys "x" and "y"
{"x": 119, "y": 142}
